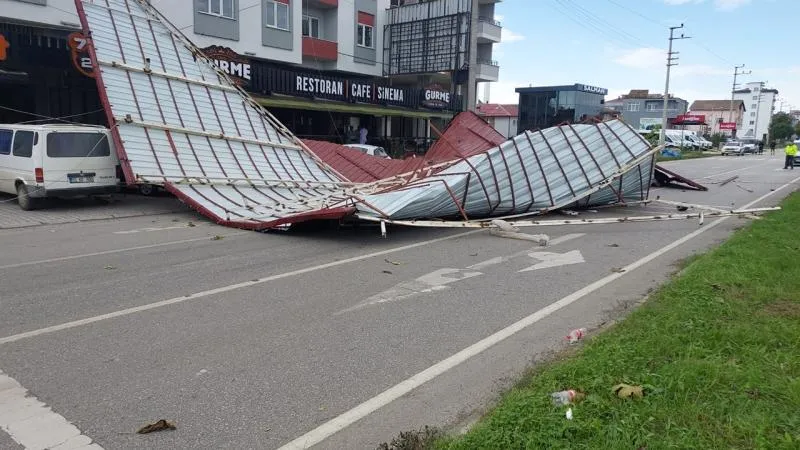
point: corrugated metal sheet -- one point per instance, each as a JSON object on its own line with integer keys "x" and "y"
{"x": 533, "y": 172}
{"x": 179, "y": 120}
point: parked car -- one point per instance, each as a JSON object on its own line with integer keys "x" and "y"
{"x": 38, "y": 161}
{"x": 733, "y": 148}
{"x": 372, "y": 150}
{"x": 750, "y": 145}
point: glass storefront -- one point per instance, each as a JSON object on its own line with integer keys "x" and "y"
{"x": 543, "y": 107}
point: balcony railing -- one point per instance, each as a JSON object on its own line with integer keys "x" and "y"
{"x": 320, "y": 49}
{"x": 489, "y": 62}
{"x": 489, "y": 20}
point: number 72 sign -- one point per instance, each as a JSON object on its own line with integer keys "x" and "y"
{"x": 79, "y": 51}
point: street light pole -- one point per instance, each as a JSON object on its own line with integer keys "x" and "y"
{"x": 736, "y": 74}
{"x": 671, "y": 61}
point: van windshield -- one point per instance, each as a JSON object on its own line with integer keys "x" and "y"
{"x": 77, "y": 145}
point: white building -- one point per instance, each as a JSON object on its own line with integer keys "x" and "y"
{"x": 502, "y": 118}
{"x": 760, "y": 105}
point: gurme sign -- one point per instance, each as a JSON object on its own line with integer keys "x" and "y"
{"x": 434, "y": 96}
{"x": 230, "y": 62}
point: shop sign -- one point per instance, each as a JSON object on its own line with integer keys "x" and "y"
{"x": 233, "y": 64}
{"x": 435, "y": 97}
{"x": 594, "y": 89}
{"x": 361, "y": 92}
{"x": 79, "y": 53}
{"x": 690, "y": 119}
{"x": 390, "y": 94}
{"x": 4, "y": 45}
{"x": 318, "y": 86}
{"x": 727, "y": 126}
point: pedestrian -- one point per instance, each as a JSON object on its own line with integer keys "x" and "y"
{"x": 791, "y": 152}
{"x": 760, "y": 147}
{"x": 362, "y": 135}
{"x": 772, "y": 148}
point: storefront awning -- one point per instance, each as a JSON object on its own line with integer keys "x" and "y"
{"x": 356, "y": 108}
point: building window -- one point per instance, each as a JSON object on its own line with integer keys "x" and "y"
{"x": 220, "y": 8}
{"x": 366, "y": 30}
{"x": 278, "y": 14}
{"x": 633, "y": 107}
{"x": 755, "y": 97}
{"x": 654, "y": 107}
{"x": 752, "y": 122}
{"x": 753, "y": 114}
{"x": 311, "y": 26}
{"x": 754, "y": 106}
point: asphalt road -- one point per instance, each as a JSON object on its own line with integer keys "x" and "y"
{"x": 337, "y": 337}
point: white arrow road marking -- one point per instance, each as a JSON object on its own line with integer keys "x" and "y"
{"x": 439, "y": 279}
{"x": 33, "y": 424}
{"x": 434, "y": 281}
{"x": 549, "y": 259}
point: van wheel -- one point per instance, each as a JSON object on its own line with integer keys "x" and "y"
{"x": 26, "y": 203}
{"x": 146, "y": 189}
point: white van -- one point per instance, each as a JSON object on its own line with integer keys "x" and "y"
{"x": 38, "y": 161}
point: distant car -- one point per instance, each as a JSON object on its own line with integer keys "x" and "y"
{"x": 372, "y": 150}
{"x": 733, "y": 148}
{"x": 750, "y": 145}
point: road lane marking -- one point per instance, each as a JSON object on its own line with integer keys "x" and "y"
{"x": 34, "y": 425}
{"x": 151, "y": 229}
{"x": 110, "y": 252}
{"x": 224, "y": 289}
{"x": 549, "y": 259}
{"x": 366, "y": 408}
{"x": 439, "y": 279}
{"x": 502, "y": 259}
{"x": 734, "y": 171}
{"x": 431, "y": 282}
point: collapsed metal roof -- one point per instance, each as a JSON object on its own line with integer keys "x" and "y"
{"x": 179, "y": 122}
{"x": 533, "y": 172}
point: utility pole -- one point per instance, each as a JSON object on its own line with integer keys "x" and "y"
{"x": 736, "y": 74}
{"x": 758, "y": 110}
{"x": 671, "y": 61}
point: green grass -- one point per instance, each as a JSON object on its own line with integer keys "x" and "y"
{"x": 718, "y": 349}
{"x": 686, "y": 155}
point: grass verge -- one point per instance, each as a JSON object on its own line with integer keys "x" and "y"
{"x": 717, "y": 350}
{"x": 686, "y": 155}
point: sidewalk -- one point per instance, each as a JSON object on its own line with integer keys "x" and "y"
{"x": 79, "y": 210}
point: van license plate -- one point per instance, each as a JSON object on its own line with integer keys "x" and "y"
{"x": 81, "y": 179}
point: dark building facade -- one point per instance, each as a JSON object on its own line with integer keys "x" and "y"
{"x": 547, "y": 106}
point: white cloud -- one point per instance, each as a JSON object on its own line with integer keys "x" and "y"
{"x": 722, "y": 5}
{"x": 499, "y": 17}
{"x": 694, "y": 70}
{"x": 728, "y": 5}
{"x": 642, "y": 58}
{"x": 502, "y": 91}
{"x": 510, "y": 36}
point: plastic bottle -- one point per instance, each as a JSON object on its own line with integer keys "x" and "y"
{"x": 576, "y": 335}
{"x": 563, "y": 397}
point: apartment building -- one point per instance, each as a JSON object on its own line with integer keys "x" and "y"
{"x": 317, "y": 65}
{"x": 760, "y": 102}
{"x": 640, "y": 108}
{"x": 721, "y": 116}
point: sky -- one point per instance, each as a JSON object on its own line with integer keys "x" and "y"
{"x": 622, "y": 44}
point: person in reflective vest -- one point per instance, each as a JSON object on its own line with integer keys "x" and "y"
{"x": 791, "y": 152}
